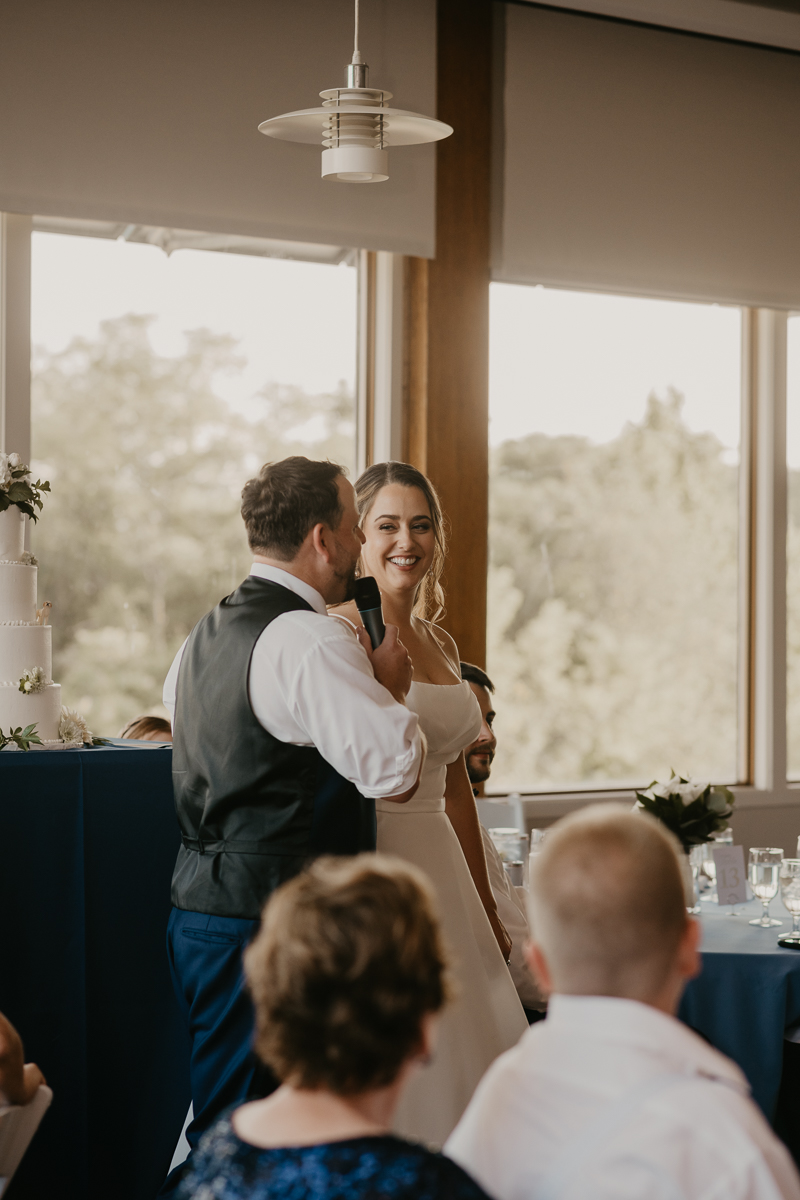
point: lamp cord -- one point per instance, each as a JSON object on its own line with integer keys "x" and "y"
{"x": 356, "y": 51}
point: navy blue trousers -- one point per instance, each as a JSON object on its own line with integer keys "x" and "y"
{"x": 205, "y": 957}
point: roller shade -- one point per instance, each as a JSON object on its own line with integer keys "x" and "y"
{"x": 145, "y": 111}
{"x": 643, "y": 161}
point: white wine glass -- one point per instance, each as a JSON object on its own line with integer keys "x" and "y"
{"x": 763, "y": 876}
{"x": 790, "y": 895}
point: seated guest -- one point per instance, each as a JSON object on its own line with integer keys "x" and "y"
{"x": 18, "y": 1079}
{"x": 510, "y": 906}
{"x": 611, "y": 1096}
{"x": 347, "y": 974}
{"x": 148, "y": 729}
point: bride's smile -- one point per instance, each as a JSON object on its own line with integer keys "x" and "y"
{"x": 400, "y": 538}
{"x": 438, "y": 829}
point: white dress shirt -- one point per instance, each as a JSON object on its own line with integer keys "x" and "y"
{"x": 610, "y": 1099}
{"x": 511, "y": 911}
{"x": 311, "y": 684}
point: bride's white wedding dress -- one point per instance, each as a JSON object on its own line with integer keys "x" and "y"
{"x": 486, "y": 1017}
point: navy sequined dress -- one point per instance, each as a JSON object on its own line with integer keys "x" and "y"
{"x": 364, "y": 1168}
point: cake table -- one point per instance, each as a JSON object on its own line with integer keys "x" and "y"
{"x": 88, "y": 840}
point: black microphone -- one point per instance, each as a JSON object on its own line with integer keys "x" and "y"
{"x": 368, "y": 603}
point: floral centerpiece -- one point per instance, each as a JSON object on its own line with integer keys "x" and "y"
{"x": 73, "y": 732}
{"x": 694, "y": 812}
{"x": 17, "y": 486}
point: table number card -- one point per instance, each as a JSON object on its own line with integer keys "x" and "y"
{"x": 731, "y": 875}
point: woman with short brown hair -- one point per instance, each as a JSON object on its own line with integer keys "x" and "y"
{"x": 347, "y": 974}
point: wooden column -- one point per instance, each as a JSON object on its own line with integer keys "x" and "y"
{"x": 446, "y": 360}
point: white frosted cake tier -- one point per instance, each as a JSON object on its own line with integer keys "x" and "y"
{"x": 42, "y": 710}
{"x": 23, "y": 647}
{"x": 12, "y": 534}
{"x": 17, "y": 593}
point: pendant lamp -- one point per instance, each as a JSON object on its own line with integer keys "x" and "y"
{"x": 355, "y": 127}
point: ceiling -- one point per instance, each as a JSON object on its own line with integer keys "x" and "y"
{"x": 773, "y": 23}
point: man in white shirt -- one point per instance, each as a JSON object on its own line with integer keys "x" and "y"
{"x": 286, "y": 728}
{"x": 611, "y": 1097}
{"x": 510, "y": 905}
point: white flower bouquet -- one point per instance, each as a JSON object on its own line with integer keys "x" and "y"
{"x": 17, "y": 486}
{"x": 694, "y": 812}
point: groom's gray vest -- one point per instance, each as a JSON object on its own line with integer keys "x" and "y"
{"x": 252, "y": 810}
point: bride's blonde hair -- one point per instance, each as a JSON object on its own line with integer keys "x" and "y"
{"x": 429, "y": 600}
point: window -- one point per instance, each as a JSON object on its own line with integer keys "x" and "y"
{"x": 613, "y": 538}
{"x": 161, "y": 383}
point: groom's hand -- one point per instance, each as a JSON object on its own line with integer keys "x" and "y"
{"x": 391, "y": 662}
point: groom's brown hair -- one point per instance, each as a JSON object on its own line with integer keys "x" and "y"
{"x": 286, "y": 500}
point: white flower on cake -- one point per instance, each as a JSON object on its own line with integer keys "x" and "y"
{"x": 33, "y": 680}
{"x": 29, "y": 560}
{"x": 72, "y": 727}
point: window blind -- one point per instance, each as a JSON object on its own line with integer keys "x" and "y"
{"x": 644, "y": 161}
{"x": 147, "y": 112}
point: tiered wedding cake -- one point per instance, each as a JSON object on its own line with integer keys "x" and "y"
{"x": 28, "y": 695}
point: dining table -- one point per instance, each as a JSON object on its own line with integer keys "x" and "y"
{"x": 88, "y": 841}
{"x": 747, "y": 994}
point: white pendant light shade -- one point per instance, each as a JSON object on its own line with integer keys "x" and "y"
{"x": 355, "y": 127}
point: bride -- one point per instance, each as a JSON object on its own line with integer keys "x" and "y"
{"x": 438, "y": 829}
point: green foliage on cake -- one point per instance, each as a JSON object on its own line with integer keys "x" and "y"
{"x": 22, "y": 738}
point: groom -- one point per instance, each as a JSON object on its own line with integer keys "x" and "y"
{"x": 286, "y": 730}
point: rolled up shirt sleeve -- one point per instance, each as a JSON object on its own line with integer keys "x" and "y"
{"x": 311, "y": 684}
{"x": 354, "y": 722}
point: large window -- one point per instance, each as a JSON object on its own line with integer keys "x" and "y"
{"x": 613, "y": 538}
{"x": 161, "y": 383}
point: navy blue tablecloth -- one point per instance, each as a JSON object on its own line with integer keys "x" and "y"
{"x": 747, "y": 994}
{"x": 88, "y": 841}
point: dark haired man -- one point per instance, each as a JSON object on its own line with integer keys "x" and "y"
{"x": 510, "y": 907}
{"x": 287, "y": 727}
{"x": 480, "y": 755}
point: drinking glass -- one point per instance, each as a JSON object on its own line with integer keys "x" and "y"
{"x": 763, "y": 876}
{"x": 790, "y": 895}
{"x": 723, "y": 838}
{"x": 696, "y": 855}
{"x": 507, "y": 840}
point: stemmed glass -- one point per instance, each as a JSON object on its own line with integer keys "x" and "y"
{"x": 763, "y": 871}
{"x": 696, "y": 856}
{"x": 790, "y": 895}
{"x": 723, "y": 838}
